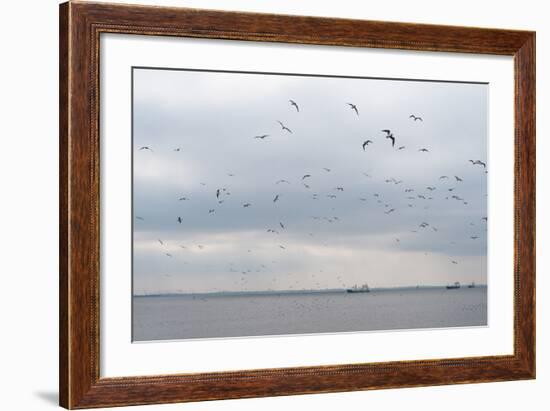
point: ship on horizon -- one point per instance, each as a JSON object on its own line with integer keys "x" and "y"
{"x": 361, "y": 289}
{"x": 453, "y": 286}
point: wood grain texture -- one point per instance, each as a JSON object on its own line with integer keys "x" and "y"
{"x": 80, "y": 27}
{"x": 63, "y": 205}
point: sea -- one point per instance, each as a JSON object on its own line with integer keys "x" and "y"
{"x": 191, "y": 316}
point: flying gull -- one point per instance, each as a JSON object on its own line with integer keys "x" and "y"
{"x": 284, "y": 127}
{"x": 353, "y": 107}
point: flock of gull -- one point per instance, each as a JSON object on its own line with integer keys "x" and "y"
{"x": 445, "y": 187}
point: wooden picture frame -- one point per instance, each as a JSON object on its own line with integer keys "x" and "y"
{"x": 80, "y": 27}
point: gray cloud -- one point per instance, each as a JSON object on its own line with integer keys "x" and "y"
{"x": 213, "y": 117}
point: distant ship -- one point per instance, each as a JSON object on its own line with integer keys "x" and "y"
{"x": 362, "y": 289}
{"x": 454, "y": 286}
{"x": 473, "y": 285}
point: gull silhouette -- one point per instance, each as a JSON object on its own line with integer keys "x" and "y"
{"x": 353, "y": 107}
{"x": 284, "y": 127}
{"x": 366, "y": 143}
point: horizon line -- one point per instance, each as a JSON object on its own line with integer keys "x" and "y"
{"x": 297, "y": 291}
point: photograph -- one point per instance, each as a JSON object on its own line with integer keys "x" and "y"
{"x": 272, "y": 204}
{"x": 275, "y": 205}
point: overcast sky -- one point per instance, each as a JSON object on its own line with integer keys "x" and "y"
{"x": 328, "y": 242}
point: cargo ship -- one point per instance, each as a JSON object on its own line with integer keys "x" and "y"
{"x": 454, "y": 286}
{"x": 361, "y": 289}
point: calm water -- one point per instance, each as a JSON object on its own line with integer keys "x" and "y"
{"x": 181, "y": 317}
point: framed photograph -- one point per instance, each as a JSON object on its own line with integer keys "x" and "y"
{"x": 258, "y": 205}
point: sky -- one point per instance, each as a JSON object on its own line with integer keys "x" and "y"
{"x": 199, "y": 130}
